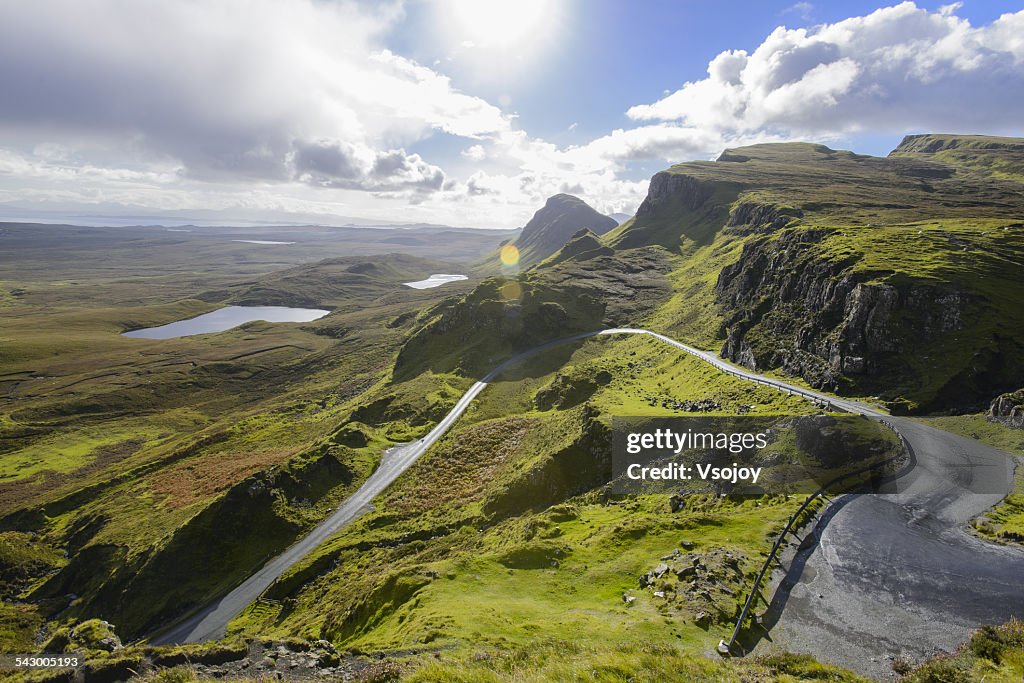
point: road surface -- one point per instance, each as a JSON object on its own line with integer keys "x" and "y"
{"x": 893, "y": 573}
{"x": 896, "y": 575}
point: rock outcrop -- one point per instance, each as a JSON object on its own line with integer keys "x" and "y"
{"x": 1008, "y": 409}
{"x": 760, "y": 217}
{"x": 700, "y": 587}
{"x": 666, "y": 186}
{"x": 836, "y": 326}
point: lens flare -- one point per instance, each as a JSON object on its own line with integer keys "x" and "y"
{"x": 509, "y": 255}
{"x": 511, "y": 290}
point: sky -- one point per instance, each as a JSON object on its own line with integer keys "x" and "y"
{"x": 461, "y": 112}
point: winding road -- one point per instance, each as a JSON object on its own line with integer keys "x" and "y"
{"x": 892, "y": 574}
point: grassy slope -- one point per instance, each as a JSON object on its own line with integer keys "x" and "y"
{"x": 906, "y": 220}
{"x": 447, "y": 548}
{"x": 993, "y": 654}
{"x": 442, "y": 561}
{"x": 120, "y": 443}
{"x": 455, "y": 556}
{"x": 994, "y": 156}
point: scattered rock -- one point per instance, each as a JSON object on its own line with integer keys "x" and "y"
{"x": 1008, "y": 409}
{"x": 283, "y": 660}
{"x": 686, "y": 573}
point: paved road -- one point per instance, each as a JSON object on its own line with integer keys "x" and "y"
{"x": 895, "y": 571}
{"x": 896, "y": 574}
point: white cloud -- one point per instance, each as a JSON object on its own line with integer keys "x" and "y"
{"x": 475, "y": 152}
{"x": 896, "y": 69}
{"x": 804, "y": 10}
{"x": 228, "y": 89}
{"x": 294, "y": 105}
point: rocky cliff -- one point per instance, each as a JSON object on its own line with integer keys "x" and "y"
{"x": 899, "y": 276}
{"x": 847, "y": 329}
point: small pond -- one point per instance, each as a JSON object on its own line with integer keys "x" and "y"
{"x": 226, "y": 318}
{"x": 435, "y": 281}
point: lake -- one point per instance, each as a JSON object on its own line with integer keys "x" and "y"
{"x": 435, "y": 281}
{"x": 226, "y": 318}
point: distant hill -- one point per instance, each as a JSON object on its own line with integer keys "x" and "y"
{"x": 620, "y": 218}
{"x": 551, "y": 228}
{"x": 1001, "y": 158}
{"x": 336, "y": 282}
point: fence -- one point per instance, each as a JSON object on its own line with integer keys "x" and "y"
{"x": 725, "y": 648}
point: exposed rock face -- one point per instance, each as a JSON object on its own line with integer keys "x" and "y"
{"x": 679, "y": 208}
{"x": 761, "y": 217}
{"x": 1008, "y": 409}
{"x": 269, "y": 660}
{"x": 698, "y": 587}
{"x": 819, "y": 319}
{"x": 666, "y": 186}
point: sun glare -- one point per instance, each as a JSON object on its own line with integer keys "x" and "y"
{"x": 498, "y": 23}
{"x": 509, "y": 255}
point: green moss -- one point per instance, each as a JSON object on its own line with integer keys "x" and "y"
{"x": 18, "y": 627}
{"x": 24, "y": 560}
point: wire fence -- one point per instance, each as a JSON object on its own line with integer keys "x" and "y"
{"x": 726, "y": 647}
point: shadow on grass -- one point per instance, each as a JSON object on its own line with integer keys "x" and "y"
{"x": 750, "y": 637}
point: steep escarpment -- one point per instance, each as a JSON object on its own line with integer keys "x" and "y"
{"x": 799, "y": 302}
{"x": 679, "y": 208}
{"x": 691, "y": 202}
{"x": 897, "y": 276}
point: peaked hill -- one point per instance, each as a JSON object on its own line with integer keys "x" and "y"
{"x": 554, "y": 224}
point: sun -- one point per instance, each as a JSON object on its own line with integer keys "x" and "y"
{"x": 498, "y": 23}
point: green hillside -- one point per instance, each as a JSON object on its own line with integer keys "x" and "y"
{"x": 128, "y": 464}
{"x": 897, "y": 276}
